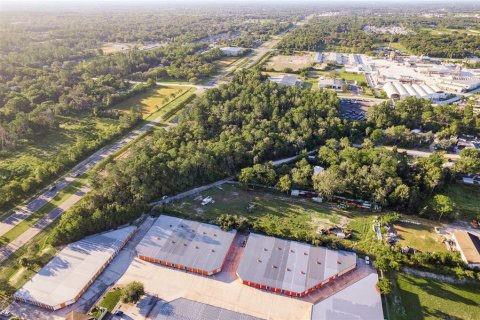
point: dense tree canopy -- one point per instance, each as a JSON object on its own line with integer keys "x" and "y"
{"x": 247, "y": 121}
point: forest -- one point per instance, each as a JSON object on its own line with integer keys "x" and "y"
{"x": 343, "y": 33}
{"x": 247, "y": 121}
{"x": 53, "y": 70}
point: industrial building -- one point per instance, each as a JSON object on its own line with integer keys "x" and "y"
{"x": 398, "y": 90}
{"x": 69, "y": 274}
{"x": 232, "y": 51}
{"x": 359, "y": 301}
{"x": 468, "y": 243}
{"x": 182, "y": 309}
{"x": 291, "y": 267}
{"x": 330, "y": 83}
{"x": 186, "y": 245}
{"x": 286, "y": 80}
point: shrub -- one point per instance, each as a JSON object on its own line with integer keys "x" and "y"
{"x": 132, "y": 292}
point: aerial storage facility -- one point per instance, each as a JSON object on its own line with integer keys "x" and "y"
{"x": 187, "y": 245}
{"x": 69, "y": 274}
{"x": 291, "y": 267}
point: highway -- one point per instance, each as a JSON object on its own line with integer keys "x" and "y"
{"x": 36, "y": 204}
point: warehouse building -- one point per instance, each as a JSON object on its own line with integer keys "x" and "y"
{"x": 398, "y": 90}
{"x": 69, "y": 274}
{"x": 359, "y": 301}
{"x": 183, "y": 309}
{"x": 291, "y": 267}
{"x": 286, "y": 80}
{"x": 468, "y": 244}
{"x": 232, "y": 51}
{"x": 186, "y": 245}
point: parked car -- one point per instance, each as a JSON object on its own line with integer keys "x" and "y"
{"x": 367, "y": 260}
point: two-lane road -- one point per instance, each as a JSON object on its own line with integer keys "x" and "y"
{"x": 36, "y": 204}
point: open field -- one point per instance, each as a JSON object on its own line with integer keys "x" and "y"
{"x": 420, "y": 236}
{"x": 466, "y": 198}
{"x": 24, "y": 163}
{"x": 152, "y": 100}
{"x": 272, "y": 212}
{"x": 340, "y": 74}
{"x": 440, "y": 31}
{"x": 226, "y": 61}
{"x": 294, "y": 62}
{"x": 419, "y": 298}
{"x": 110, "y": 48}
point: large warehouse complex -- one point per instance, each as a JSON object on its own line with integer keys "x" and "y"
{"x": 398, "y": 90}
{"x": 234, "y": 266}
{"x": 291, "y": 267}
{"x": 187, "y": 245}
{"x": 69, "y": 274}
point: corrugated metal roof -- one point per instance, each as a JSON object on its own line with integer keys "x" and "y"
{"x": 64, "y": 277}
{"x": 188, "y": 243}
{"x": 185, "y": 309}
{"x": 359, "y": 301}
{"x": 469, "y": 243}
{"x": 290, "y": 265}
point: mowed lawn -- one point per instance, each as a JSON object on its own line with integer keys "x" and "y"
{"x": 277, "y": 213}
{"x": 421, "y": 236}
{"x": 466, "y": 198}
{"x": 419, "y": 298}
{"x": 152, "y": 100}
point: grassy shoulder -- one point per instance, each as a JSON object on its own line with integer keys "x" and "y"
{"x": 418, "y": 298}
{"x": 61, "y": 197}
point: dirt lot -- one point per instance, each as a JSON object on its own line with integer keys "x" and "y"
{"x": 294, "y": 62}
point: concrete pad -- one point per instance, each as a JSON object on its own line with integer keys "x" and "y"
{"x": 170, "y": 284}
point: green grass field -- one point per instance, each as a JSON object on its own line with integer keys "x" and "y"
{"x": 422, "y": 237}
{"x": 272, "y": 211}
{"x": 466, "y": 198}
{"x": 417, "y": 298}
{"x": 153, "y": 100}
{"x": 110, "y": 299}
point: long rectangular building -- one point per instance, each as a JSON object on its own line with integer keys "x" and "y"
{"x": 291, "y": 267}
{"x": 186, "y": 245}
{"x": 69, "y": 274}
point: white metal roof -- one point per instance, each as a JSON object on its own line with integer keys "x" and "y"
{"x": 70, "y": 271}
{"x": 290, "y": 265}
{"x": 359, "y": 301}
{"x": 188, "y": 243}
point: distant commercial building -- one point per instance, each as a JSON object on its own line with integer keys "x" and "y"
{"x": 69, "y": 274}
{"x": 329, "y": 83}
{"x": 186, "y": 245}
{"x": 291, "y": 267}
{"x": 232, "y": 51}
{"x": 398, "y": 90}
{"x": 460, "y": 84}
{"x": 286, "y": 80}
{"x": 468, "y": 244}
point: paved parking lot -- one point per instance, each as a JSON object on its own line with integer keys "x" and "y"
{"x": 225, "y": 290}
{"x": 353, "y": 109}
